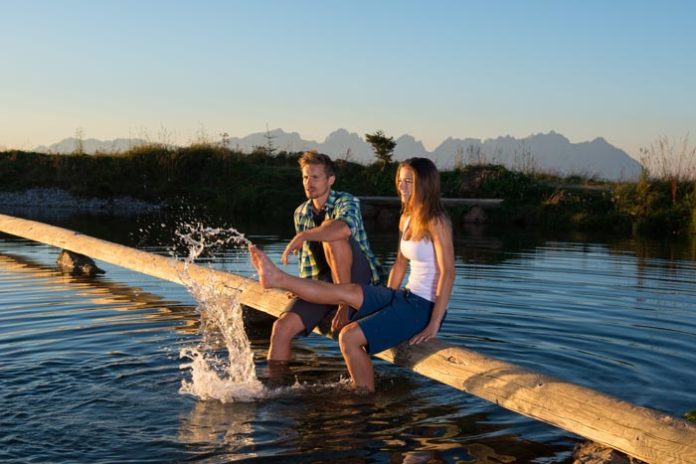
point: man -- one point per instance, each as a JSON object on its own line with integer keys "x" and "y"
{"x": 332, "y": 246}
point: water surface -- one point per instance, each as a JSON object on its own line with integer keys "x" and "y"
{"x": 91, "y": 372}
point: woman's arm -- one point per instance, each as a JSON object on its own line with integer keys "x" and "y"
{"x": 441, "y": 234}
{"x": 398, "y": 270}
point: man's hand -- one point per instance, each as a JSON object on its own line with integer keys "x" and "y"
{"x": 293, "y": 247}
{"x": 341, "y": 318}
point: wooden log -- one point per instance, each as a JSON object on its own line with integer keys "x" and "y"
{"x": 252, "y": 294}
{"x": 640, "y": 432}
{"x": 485, "y": 203}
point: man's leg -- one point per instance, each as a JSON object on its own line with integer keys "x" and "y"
{"x": 348, "y": 264}
{"x": 301, "y": 317}
{"x": 339, "y": 256}
{"x": 347, "y": 261}
{"x": 285, "y": 328}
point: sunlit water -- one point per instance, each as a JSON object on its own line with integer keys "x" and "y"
{"x": 91, "y": 369}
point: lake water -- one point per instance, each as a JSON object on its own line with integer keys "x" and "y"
{"x": 91, "y": 369}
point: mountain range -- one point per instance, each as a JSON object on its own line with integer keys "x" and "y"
{"x": 551, "y": 152}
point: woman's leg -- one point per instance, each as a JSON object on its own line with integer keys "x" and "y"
{"x": 352, "y": 341}
{"x": 314, "y": 291}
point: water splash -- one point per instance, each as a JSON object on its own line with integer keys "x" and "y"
{"x": 222, "y": 364}
{"x": 215, "y": 375}
{"x": 201, "y": 240}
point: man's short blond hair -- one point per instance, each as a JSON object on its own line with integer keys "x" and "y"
{"x": 312, "y": 157}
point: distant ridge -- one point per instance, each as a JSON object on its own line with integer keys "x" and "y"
{"x": 550, "y": 152}
{"x": 91, "y": 146}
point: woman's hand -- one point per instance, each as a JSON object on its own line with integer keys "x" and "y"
{"x": 426, "y": 334}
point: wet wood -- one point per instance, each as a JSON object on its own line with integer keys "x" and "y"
{"x": 640, "y": 432}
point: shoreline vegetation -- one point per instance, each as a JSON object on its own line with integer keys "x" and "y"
{"x": 229, "y": 183}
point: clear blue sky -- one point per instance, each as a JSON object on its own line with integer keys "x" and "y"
{"x": 622, "y": 70}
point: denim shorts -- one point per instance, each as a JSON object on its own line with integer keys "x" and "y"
{"x": 388, "y": 317}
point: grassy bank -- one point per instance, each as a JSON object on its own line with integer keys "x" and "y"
{"x": 230, "y": 183}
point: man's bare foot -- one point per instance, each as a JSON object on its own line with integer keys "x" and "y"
{"x": 268, "y": 272}
{"x": 278, "y": 369}
{"x": 361, "y": 390}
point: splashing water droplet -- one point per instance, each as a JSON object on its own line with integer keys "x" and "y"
{"x": 212, "y": 376}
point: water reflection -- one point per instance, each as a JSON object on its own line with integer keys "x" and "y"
{"x": 102, "y": 292}
{"x": 223, "y": 430}
{"x": 613, "y": 314}
{"x": 409, "y": 421}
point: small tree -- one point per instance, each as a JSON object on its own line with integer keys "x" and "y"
{"x": 79, "y": 142}
{"x": 268, "y": 149}
{"x": 270, "y": 146}
{"x": 382, "y": 145}
{"x": 225, "y": 140}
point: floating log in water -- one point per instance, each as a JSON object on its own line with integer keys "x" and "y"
{"x": 640, "y": 432}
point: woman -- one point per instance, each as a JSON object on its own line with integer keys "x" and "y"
{"x": 387, "y": 316}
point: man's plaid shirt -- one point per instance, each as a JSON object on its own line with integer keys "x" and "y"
{"x": 339, "y": 205}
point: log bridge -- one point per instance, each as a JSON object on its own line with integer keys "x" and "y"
{"x": 383, "y": 209}
{"x": 640, "y": 432}
{"x": 483, "y": 203}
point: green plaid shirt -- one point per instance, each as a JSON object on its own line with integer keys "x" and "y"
{"x": 339, "y": 205}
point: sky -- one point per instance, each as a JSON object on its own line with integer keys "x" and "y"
{"x": 177, "y": 71}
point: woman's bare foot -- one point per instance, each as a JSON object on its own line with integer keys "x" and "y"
{"x": 268, "y": 272}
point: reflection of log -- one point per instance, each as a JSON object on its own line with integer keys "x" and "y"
{"x": 640, "y": 432}
{"x": 105, "y": 292}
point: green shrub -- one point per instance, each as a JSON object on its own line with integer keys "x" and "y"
{"x": 230, "y": 182}
{"x": 653, "y": 207}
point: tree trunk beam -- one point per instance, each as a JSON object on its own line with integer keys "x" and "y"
{"x": 273, "y": 302}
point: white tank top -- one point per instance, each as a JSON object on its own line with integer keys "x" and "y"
{"x": 424, "y": 271}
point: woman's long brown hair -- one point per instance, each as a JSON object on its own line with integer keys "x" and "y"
{"x": 423, "y": 205}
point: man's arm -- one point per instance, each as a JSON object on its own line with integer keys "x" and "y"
{"x": 329, "y": 231}
{"x": 344, "y": 219}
